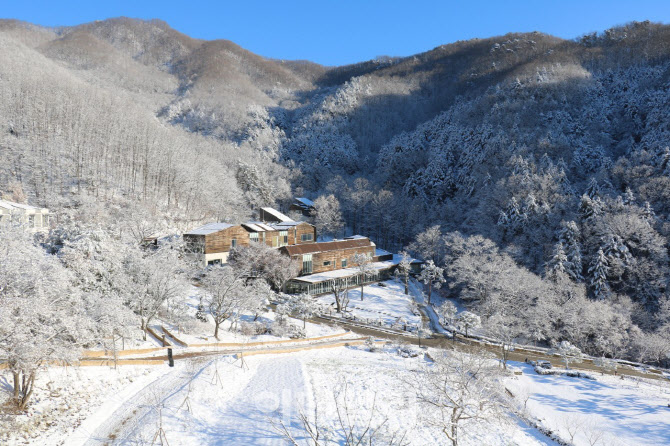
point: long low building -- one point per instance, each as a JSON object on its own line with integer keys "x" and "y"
{"x": 322, "y": 283}
{"x": 328, "y": 256}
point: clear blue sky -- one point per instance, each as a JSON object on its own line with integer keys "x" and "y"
{"x": 346, "y": 31}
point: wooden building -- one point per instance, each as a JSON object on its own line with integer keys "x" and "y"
{"x": 303, "y": 205}
{"x": 328, "y": 256}
{"x": 213, "y": 242}
{"x": 270, "y": 215}
{"x": 30, "y": 217}
{"x": 281, "y": 234}
{"x": 330, "y": 263}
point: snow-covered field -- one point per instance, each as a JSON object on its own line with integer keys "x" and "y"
{"x": 68, "y": 397}
{"x": 227, "y": 402}
{"x": 386, "y": 304}
{"x": 224, "y": 401}
{"x": 608, "y": 410}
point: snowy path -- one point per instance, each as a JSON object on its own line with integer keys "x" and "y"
{"x": 120, "y": 419}
{"x": 276, "y": 389}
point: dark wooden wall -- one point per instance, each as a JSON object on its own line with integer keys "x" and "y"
{"x": 295, "y": 234}
{"x": 220, "y": 241}
{"x": 335, "y": 257}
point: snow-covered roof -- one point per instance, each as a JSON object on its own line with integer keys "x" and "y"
{"x": 209, "y": 228}
{"x": 276, "y": 214}
{"x": 397, "y": 258}
{"x": 342, "y": 273}
{"x": 258, "y": 226}
{"x": 381, "y": 252}
{"x": 9, "y": 205}
{"x": 305, "y": 201}
{"x": 335, "y": 245}
{"x": 285, "y": 224}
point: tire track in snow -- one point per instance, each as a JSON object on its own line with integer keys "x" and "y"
{"x": 129, "y": 418}
{"x": 277, "y": 389}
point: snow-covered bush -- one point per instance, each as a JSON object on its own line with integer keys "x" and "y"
{"x": 370, "y": 344}
{"x": 253, "y": 328}
{"x": 284, "y": 330}
{"x": 568, "y": 353}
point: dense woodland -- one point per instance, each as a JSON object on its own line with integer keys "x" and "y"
{"x": 534, "y": 170}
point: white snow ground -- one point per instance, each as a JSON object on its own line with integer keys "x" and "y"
{"x": 234, "y": 408}
{"x": 221, "y": 402}
{"x": 229, "y": 404}
{"x": 74, "y": 397}
{"x": 618, "y": 412}
{"x": 385, "y": 304}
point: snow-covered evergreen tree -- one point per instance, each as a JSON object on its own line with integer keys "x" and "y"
{"x": 589, "y": 208}
{"x": 559, "y": 265}
{"x": 648, "y": 212}
{"x": 593, "y": 189}
{"x": 628, "y": 197}
{"x": 433, "y": 276}
{"x": 569, "y": 236}
{"x": 598, "y": 275}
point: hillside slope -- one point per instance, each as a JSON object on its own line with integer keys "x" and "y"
{"x": 537, "y": 157}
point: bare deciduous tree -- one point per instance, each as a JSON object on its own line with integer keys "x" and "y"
{"x": 355, "y": 425}
{"x": 404, "y": 269}
{"x": 458, "y": 388}
{"x": 363, "y": 268}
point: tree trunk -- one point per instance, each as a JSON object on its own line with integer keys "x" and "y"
{"x": 216, "y": 329}
{"x": 23, "y": 388}
{"x": 338, "y": 303}
{"x": 361, "y": 291}
{"x": 27, "y": 390}
{"x": 406, "y": 285}
{"x": 17, "y": 385}
{"x": 454, "y": 426}
{"x": 430, "y": 291}
{"x": 143, "y": 324}
{"x": 504, "y": 356}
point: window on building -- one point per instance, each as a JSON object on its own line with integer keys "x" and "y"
{"x": 344, "y": 263}
{"x": 253, "y": 236}
{"x": 283, "y": 238}
{"x": 306, "y": 237}
{"x": 326, "y": 263}
{"x": 233, "y": 243}
{"x": 31, "y": 221}
{"x": 307, "y": 263}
